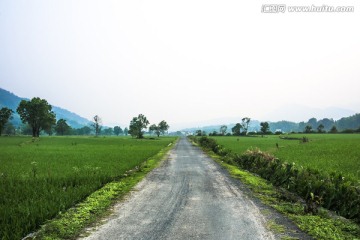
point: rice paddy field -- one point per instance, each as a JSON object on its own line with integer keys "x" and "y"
{"x": 325, "y": 152}
{"x": 40, "y": 178}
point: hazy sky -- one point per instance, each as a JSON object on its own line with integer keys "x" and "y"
{"x": 182, "y": 61}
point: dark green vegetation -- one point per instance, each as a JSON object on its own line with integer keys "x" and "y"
{"x": 329, "y": 189}
{"x": 161, "y": 128}
{"x": 350, "y": 123}
{"x": 40, "y": 178}
{"x": 62, "y": 128}
{"x": 137, "y": 125}
{"x": 320, "y": 226}
{"x": 324, "y": 152}
{"x": 38, "y": 114}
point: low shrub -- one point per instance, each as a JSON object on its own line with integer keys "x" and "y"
{"x": 336, "y": 193}
{"x": 211, "y": 144}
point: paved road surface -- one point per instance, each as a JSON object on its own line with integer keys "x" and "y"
{"x": 188, "y": 197}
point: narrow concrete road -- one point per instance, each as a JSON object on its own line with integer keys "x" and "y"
{"x": 188, "y": 197}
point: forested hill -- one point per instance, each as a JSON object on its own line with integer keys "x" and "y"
{"x": 10, "y": 100}
{"x": 351, "y": 122}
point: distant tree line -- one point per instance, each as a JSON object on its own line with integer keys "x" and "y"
{"x": 344, "y": 125}
{"x": 38, "y": 118}
{"x": 237, "y": 130}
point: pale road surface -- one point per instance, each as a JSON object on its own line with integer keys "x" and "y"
{"x": 188, "y": 197}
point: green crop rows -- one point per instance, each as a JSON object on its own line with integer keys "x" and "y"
{"x": 324, "y": 152}
{"x": 40, "y": 178}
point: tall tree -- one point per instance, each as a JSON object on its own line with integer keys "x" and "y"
{"x": 137, "y": 125}
{"x": 264, "y": 127}
{"x": 37, "y": 113}
{"x": 161, "y": 128}
{"x": 97, "y": 124}
{"x": 308, "y": 129}
{"x": 223, "y": 129}
{"x": 333, "y": 129}
{"x": 5, "y": 115}
{"x": 62, "y": 128}
{"x": 117, "y": 130}
{"x": 245, "y": 124}
{"x": 236, "y": 130}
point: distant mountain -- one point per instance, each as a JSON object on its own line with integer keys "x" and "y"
{"x": 10, "y": 100}
{"x": 298, "y": 113}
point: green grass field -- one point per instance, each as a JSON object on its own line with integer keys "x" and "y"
{"x": 41, "y": 178}
{"x": 325, "y": 152}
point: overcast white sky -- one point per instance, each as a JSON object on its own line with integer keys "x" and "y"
{"x": 182, "y": 61}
